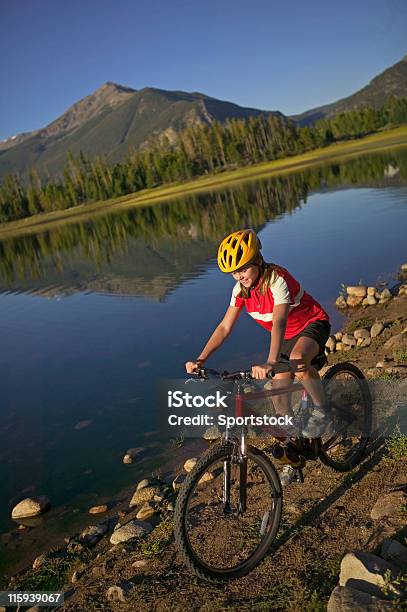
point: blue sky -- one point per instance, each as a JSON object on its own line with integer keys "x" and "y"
{"x": 268, "y": 54}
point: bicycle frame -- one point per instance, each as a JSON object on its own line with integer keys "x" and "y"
{"x": 239, "y": 409}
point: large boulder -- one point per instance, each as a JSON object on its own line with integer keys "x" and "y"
{"x": 145, "y": 494}
{"x": 134, "y": 453}
{"x": 365, "y": 572}
{"x": 357, "y": 291}
{"x": 31, "y": 506}
{"x": 130, "y": 531}
{"x": 376, "y": 329}
{"x": 354, "y": 300}
{"x": 346, "y": 599}
{"x": 395, "y": 552}
{"x": 361, "y": 333}
{"x": 349, "y": 340}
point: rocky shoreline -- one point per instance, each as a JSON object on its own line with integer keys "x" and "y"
{"x": 374, "y": 336}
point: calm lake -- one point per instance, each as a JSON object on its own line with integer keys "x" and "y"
{"x": 93, "y": 314}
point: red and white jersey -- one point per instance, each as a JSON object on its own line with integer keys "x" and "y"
{"x": 283, "y": 289}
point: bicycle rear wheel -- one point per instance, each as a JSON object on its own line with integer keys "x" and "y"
{"x": 348, "y": 393}
{"x": 216, "y": 540}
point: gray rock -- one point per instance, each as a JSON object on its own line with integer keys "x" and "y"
{"x": 376, "y": 329}
{"x": 394, "y": 552}
{"x": 354, "y": 300}
{"x": 143, "y": 495}
{"x": 385, "y": 295}
{"x": 341, "y": 302}
{"x": 388, "y": 505}
{"x": 134, "y": 453}
{"x": 330, "y": 344}
{"x": 92, "y": 534}
{"x": 361, "y": 333}
{"x": 357, "y": 291}
{"x": 365, "y": 572}
{"x": 349, "y": 340}
{"x": 346, "y": 599}
{"x": 130, "y": 531}
{"x": 146, "y": 511}
{"x": 31, "y": 506}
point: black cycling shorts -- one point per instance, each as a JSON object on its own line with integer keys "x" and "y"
{"x": 318, "y": 331}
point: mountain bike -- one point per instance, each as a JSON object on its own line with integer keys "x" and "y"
{"x": 229, "y": 507}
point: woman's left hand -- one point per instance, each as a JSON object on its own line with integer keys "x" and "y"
{"x": 261, "y": 371}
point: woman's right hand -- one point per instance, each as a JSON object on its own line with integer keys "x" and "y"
{"x": 193, "y": 366}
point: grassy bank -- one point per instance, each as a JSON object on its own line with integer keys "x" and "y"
{"x": 334, "y": 153}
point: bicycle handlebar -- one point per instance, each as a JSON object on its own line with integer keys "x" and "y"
{"x": 203, "y": 373}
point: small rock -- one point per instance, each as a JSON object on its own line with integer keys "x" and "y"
{"x": 178, "y": 481}
{"x": 341, "y": 302}
{"x": 403, "y": 268}
{"x": 371, "y": 300}
{"x": 354, "y": 300}
{"x": 190, "y": 464}
{"x": 39, "y": 561}
{"x": 380, "y": 364}
{"x": 388, "y": 505}
{"x": 207, "y": 476}
{"x": 358, "y": 291}
{"x": 117, "y": 593}
{"x": 170, "y": 507}
{"x": 32, "y": 506}
{"x": 92, "y": 534}
{"x": 359, "y": 342}
{"x": 330, "y": 344}
{"x": 376, "y": 329}
{"x": 75, "y": 576}
{"x": 361, "y": 333}
{"x": 139, "y": 564}
{"x": 371, "y": 291}
{"x": 98, "y": 509}
{"x": 385, "y": 295}
{"x": 365, "y": 342}
{"x": 143, "y": 495}
{"x": 395, "y": 552}
{"x": 212, "y": 433}
{"x": 82, "y": 425}
{"x": 373, "y": 372}
{"x": 133, "y": 453}
{"x": 346, "y": 599}
{"x": 339, "y": 346}
{"x": 365, "y": 572}
{"x": 349, "y": 340}
{"x": 143, "y": 484}
{"x": 338, "y": 336}
{"x": 146, "y": 511}
{"x": 130, "y": 531}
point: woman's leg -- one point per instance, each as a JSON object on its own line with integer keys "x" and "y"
{"x": 282, "y": 403}
{"x": 304, "y": 351}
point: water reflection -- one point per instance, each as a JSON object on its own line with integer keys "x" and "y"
{"x": 148, "y": 251}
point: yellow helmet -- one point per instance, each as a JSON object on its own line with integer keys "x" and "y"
{"x": 238, "y": 249}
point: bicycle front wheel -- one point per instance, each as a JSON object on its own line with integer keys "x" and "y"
{"x": 224, "y": 539}
{"x": 347, "y": 391}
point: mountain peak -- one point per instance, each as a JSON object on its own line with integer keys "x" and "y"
{"x": 111, "y": 86}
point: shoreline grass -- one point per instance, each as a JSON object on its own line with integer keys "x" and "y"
{"x": 342, "y": 151}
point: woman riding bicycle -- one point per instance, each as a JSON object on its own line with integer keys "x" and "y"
{"x": 275, "y": 299}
